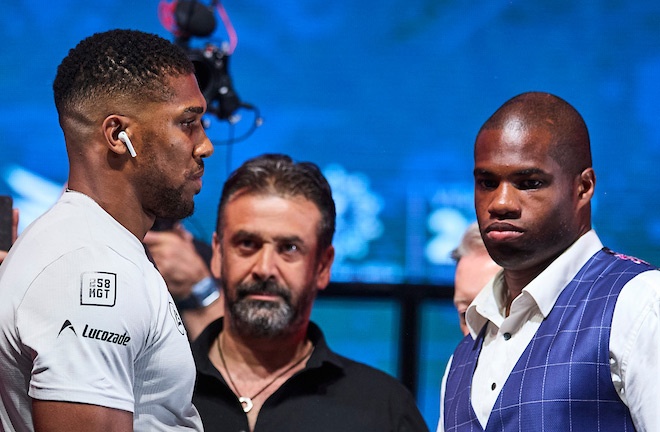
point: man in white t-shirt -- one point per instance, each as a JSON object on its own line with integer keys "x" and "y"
{"x": 90, "y": 338}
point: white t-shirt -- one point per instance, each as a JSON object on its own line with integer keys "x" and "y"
{"x": 86, "y": 317}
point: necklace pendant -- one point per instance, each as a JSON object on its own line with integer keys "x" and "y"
{"x": 246, "y": 402}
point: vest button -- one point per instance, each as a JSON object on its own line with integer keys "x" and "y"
{"x": 507, "y": 336}
{"x": 492, "y": 386}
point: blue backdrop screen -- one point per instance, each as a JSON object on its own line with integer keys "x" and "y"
{"x": 387, "y": 98}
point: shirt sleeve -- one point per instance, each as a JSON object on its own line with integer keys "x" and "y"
{"x": 635, "y": 351}
{"x": 80, "y": 323}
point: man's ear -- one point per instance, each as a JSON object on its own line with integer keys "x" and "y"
{"x": 112, "y": 126}
{"x": 586, "y": 186}
{"x": 323, "y": 267}
{"x": 216, "y": 258}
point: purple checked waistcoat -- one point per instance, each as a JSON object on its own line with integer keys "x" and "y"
{"x": 562, "y": 381}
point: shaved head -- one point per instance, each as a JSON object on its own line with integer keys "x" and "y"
{"x": 535, "y": 110}
{"x": 533, "y": 183}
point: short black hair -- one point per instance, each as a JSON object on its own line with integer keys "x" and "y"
{"x": 278, "y": 174}
{"x": 118, "y": 64}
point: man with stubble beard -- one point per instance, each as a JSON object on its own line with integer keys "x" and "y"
{"x": 90, "y": 338}
{"x": 565, "y": 338}
{"x": 265, "y": 366}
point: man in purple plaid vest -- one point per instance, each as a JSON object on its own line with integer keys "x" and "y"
{"x": 567, "y": 336}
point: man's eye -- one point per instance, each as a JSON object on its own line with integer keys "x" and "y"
{"x": 246, "y": 244}
{"x": 191, "y": 123}
{"x": 289, "y": 248}
{"x": 530, "y": 184}
{"x": 486, "y": 183}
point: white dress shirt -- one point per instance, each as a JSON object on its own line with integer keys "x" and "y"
{"x": 634, "y": 339}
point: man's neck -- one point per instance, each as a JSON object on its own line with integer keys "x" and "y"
{"x": 518, "y": 278}
{"x": 119, "y": 202}
{"x": 263, "y": 354}
{"x": 255, "y": 368}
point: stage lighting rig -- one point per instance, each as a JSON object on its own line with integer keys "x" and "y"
{"x": 186, "y": 19}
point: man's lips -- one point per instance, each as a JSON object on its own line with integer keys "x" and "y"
{"x": 197, "y": 177}
{"x": 503, "y": 232}
{"x": 264, "y": 297}
{"x": 197, "y": 174}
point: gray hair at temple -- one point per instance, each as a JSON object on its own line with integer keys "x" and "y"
{"x": 470, "y": 242}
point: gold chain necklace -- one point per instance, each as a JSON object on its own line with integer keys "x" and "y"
{"x": 245, "y": 401}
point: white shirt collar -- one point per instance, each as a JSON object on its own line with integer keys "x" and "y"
{"x": 543, "y": 290}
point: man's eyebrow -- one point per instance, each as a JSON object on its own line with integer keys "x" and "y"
{"x": 522, "y": 172}
{"x": 482, "y": 172}
{"x": 242, "y": 234}
{"x": 194, "y": 109}
{"x": 290, "y": 239}
{"x": 530, "y": 171}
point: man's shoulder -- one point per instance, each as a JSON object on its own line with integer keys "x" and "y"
{"x": 628, "y": 260}
{"x": 373, "y": 390}
{"x": 362, "y": 375}
{"x": 610, "y": 265}
{"x": 353, "y": 372}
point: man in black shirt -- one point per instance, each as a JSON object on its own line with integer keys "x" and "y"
{"x": 265, "y": 366}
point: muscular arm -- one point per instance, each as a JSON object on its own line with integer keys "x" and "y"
{"x": 51, "y": 416}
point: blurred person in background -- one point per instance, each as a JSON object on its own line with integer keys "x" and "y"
{"x": 184, "y": 262}
{"x": 14, "y": 232}
{"x": 474, "y": 268}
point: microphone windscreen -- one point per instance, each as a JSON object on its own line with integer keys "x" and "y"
{"x": 194, "y": 19}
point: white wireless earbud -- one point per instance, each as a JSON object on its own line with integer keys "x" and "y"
{"x": 129, "y": 145}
